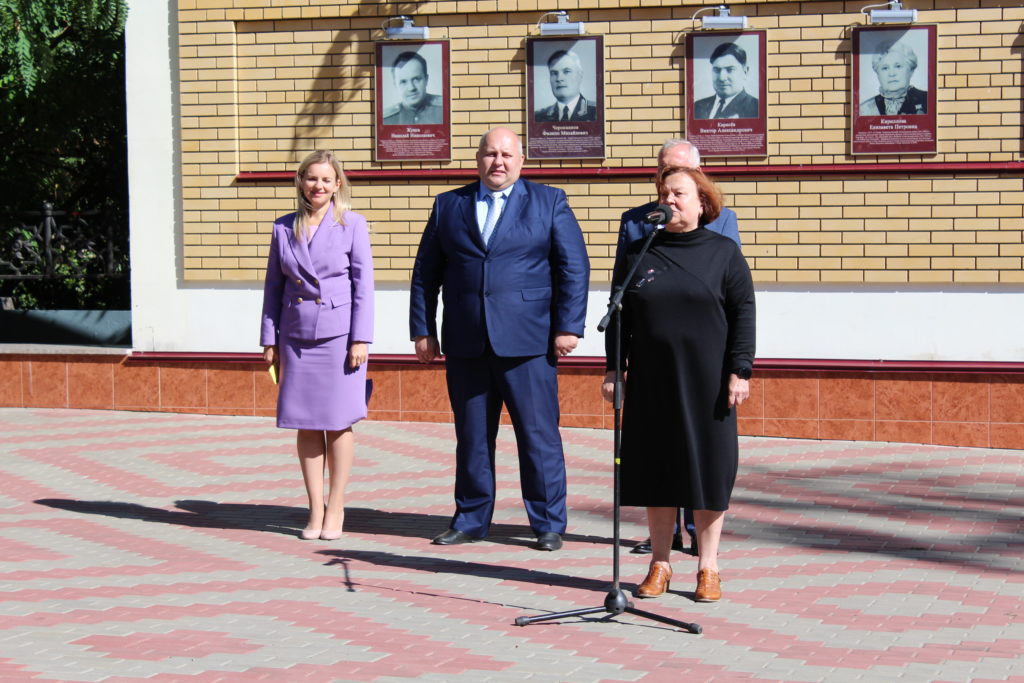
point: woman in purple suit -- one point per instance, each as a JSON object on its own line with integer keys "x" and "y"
{"x": 317, "y": 323}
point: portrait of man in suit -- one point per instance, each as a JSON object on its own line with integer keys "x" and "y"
{"x": 565, "y": 73}
{"x": 416, "y": 106}
{"x": 729, "y": 73}
{"x": 509, "y": 261}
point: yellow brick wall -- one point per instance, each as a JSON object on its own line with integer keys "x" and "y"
{"x": 260, "y": 87}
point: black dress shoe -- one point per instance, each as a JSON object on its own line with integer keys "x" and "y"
{"x": 549, "y": 540}
{"x": 644, "y": 547}
{"x": 454, "y": 537}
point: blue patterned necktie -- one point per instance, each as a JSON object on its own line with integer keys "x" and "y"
{"x": 493, "y": 212}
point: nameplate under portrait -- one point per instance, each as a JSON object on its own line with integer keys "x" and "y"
{"x": 565, "y": 97}
{"x": 726, "y": 112}
{"x": 412, "y": 113}
{"x": 893, "y": 94}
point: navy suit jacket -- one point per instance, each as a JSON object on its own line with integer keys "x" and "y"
{"x": 528, "y": 284}
{"x": 633, "y": 227}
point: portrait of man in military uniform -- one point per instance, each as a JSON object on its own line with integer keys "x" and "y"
{"x": 565, "y": 70}
{"x": 565, "y": 97}
{"x": 410, "y": 77}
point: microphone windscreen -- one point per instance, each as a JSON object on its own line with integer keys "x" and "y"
{"x": 662, "y": 214}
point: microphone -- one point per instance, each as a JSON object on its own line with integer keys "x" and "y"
{"x": 660, "y": 216}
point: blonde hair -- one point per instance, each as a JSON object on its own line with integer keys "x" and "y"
{"x": 342, "y": 197}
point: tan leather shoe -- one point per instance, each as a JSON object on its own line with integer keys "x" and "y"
{"x": 709, "y": 586}
{"x": 656, "y": 583}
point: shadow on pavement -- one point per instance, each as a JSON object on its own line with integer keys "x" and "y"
{"x": 288, "y": 520}
{"x": 277, "y": 519}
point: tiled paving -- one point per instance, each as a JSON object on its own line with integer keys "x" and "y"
{"x": 163, "y": 547}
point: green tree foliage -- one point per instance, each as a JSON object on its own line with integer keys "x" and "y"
{"x": 62, "y": 115}
{"x": 36, "y": 35}
{"x": 62, "y": 110}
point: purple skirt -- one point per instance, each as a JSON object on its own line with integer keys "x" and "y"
{"x": 318, "y": 389}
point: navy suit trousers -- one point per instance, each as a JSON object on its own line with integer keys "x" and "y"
{"x": 528, "y": 386}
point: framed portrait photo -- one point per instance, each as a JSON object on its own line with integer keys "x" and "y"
{"x": 893, "y": 90}
{"x": 725, "y": 92}
{"x": 565, "y": 97}
{"x": 412, "y": 113}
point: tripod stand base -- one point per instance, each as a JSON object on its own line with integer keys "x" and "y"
{"x": 615, "y": 603}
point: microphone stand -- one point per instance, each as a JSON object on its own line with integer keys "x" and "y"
{"x": 616, "y": 602}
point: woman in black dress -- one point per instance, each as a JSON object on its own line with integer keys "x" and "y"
{"x": 687, "y": 349}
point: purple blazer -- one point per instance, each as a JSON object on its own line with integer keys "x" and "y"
{"x": 322, "y": 288}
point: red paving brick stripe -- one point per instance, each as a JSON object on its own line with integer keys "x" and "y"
{"x": 151, "y": 547}
{"x": 157, "y": 646}
{"x": 397, "y": 652}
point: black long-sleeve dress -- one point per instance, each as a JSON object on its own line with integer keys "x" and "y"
{"x": 688, "y": 322}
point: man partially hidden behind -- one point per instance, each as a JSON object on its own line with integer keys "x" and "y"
{"x": 566, "y": 73}
{"x": 729, "y": 73}
{"x": 633, "y": 227}
{"x": 409, "y": 71}
{"x": 509, "y": 260}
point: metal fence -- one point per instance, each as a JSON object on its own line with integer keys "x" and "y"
{"x": 61, "y": 259}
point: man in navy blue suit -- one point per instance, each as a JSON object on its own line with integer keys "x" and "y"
{"x": 633, "y": 227}
{"x": 509, "y": 260}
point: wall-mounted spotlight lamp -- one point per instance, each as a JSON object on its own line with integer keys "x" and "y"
{"x": 724, "y": 19}
{"x": 407, "y": 31}
{"x": 561, "y": 26}
{"x": 895, "y": 14}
